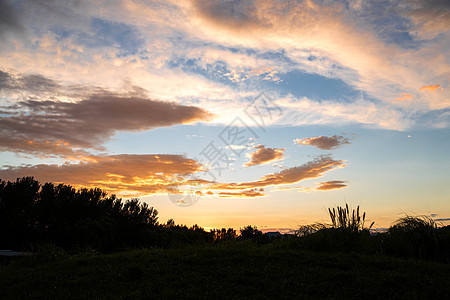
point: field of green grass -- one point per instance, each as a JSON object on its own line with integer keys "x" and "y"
{"x": 237, "y": 270}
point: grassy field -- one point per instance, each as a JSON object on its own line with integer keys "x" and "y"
{"x": 240, "y": 270}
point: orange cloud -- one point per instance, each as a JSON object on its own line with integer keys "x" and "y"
{"x": 244, "y": 194}
{"x": 264, "y": 155}
{"x": 139, "y": 175}
{"x": 127, "y": 174}
{"x": 309, "y": 170}
{"x": 287, "y": 188}
{"x": 324, "y": 142}
{"x": 331, "y": 185}
{"x": 431, "y": 88}
{"x": 404, "y": 97}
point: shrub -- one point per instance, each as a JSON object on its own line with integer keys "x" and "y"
{"x": 416, "y": 236}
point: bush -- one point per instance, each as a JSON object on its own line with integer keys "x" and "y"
{"x": 416, "y": 237}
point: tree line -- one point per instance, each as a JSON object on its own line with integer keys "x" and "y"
{"x": 34, "y": 214}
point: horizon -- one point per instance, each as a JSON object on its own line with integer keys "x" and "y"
{"x": 233, "y": 113}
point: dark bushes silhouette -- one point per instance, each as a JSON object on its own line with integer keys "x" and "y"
{"x": 57, "y": 217}
{"x": 417, "y": 237}
{"x": 58, "y": 214}
{"x": 410, "y": 237}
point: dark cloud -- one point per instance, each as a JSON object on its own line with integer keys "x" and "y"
{"x": 442, "y": 6}
{"x": 430, "y": 17}
{"x": 324, "y": 142}
{"x": 442, "y": 219}
{"x": 138, "y": 174}
{"x": 331, "y": 185}
{"x": 230, "y": 14}
{"x": 264, "y": 155}
{"x": 9, "y": 19}
{"x": 33, "y": 83}
{"x": 56, "y": 127}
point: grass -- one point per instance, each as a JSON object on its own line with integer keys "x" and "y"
{"x": 234, "y": 270}
{"x": 417, "y": 236}
{"x": 342, "y": 218}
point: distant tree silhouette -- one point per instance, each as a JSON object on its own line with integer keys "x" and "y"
{"x": 31, "y": 213}
{"x": 170, "y": 223}
{"x": 251, "y": 233}
{"x": 197, "y": 228}
{"x": 224, "y": 234}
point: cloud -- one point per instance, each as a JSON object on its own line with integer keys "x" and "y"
{"x": 149, "y": 174}
{"x": 274, "y": 38}
{"x": 324, "y": 142}
{"x": 331, "y": 185}
{"x": 264, "y": 155}
{"x": 335, "y": 37}
{"x": 309, "y": 170}
{"x": 442, "y": 219}
{"x": 9, "y": 19}
{"x": 430, "y": 17}
{"x": 287, "y": 188}
{"x": 33, "y": 83}
{"x": 252, "y": 193}
{"x": 60, "y": 126}
{"x": 304, "y": 111}
{"x": 404, "y": 97}
{"x": 431, "y": 88}
{"x": 125, "y": 173}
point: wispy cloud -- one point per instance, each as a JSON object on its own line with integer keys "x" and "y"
{"x": 331, "y": 185}
{"x": 252, "y": 193}
{"x": 338, "y": 35}
{"x": 264, "y": 155}
{"x": 94, "y": 43}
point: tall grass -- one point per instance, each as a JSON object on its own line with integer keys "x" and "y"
{"x": 342, "y": 218}
{"x": 416, "y": 236}
{"x": 306, "y": 230}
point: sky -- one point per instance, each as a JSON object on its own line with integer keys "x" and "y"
{"x": 232, "y": 113}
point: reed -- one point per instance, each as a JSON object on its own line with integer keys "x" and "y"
{"x": 343, "y": 218}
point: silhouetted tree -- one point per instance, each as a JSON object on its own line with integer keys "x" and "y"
{"x": 224, "y": 234}
{"x": 251, "y": 233}
{"x": 31, "y": 213}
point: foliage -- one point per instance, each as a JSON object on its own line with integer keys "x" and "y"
{"x": 57, "y": 219}
{"x": 306, "y": 230}
{"x": 60, "y": 215}
{"x": 419, "y": 237}
{"x": 221, "y": 235}
{"x": 251, "y": 233}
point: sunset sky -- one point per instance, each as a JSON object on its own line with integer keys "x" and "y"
{"x": 232, "y": 113}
